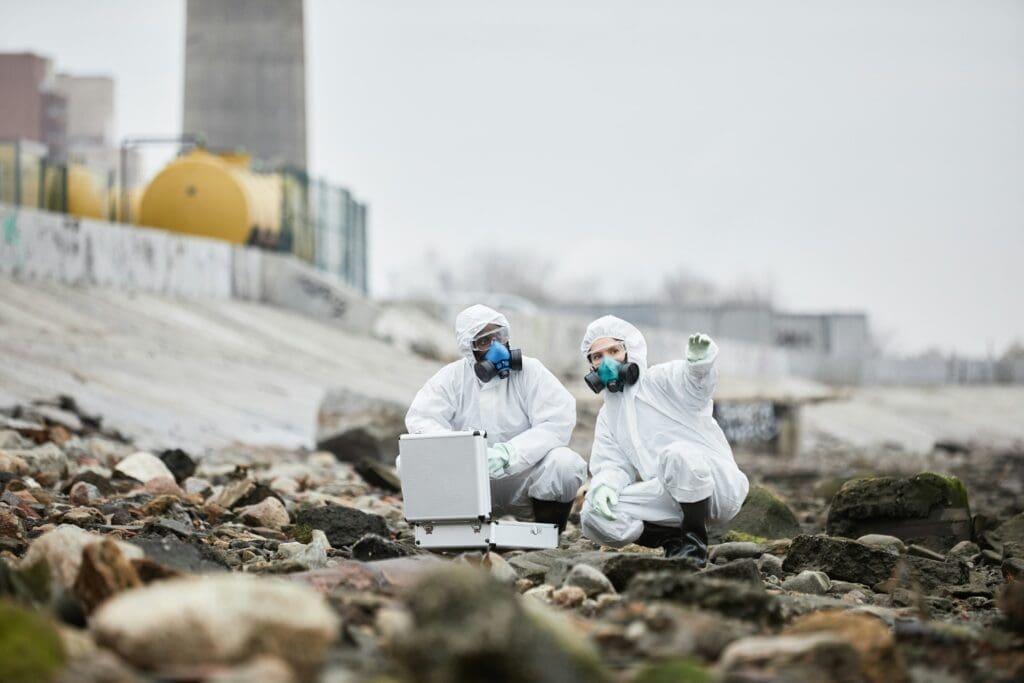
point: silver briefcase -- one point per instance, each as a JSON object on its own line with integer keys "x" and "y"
{"x": 447, "y": 494}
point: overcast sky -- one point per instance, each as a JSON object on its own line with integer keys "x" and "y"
{"x": 856, "y": 155}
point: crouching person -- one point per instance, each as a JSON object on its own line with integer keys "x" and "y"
{"x": 527, "y": 413}
{"x": 661, "y": 467}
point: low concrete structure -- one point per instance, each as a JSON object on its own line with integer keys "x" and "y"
{"x": 40, "y": 245}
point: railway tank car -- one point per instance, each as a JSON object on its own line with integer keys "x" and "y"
{"x": 215, "y": 195}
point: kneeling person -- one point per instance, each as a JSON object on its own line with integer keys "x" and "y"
{"x": 661, "y": 466}
{"x": 527, "y": 413}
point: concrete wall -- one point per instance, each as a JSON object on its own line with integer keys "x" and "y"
{"x": 934, "y": 370}
{"x": 290, "y": 283}
{"x": 50, "y": 246}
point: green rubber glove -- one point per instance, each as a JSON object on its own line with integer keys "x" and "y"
{"x": 498, "y": 456}
{"x": 697, "y": 348}
{"x": 604, "y": 499}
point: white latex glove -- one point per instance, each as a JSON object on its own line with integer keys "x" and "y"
{"x": 697, "y": 347}
{"x": 498, "y": 456}
{"x": 604, "y": 498}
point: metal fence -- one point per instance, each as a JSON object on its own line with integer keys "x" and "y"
{"x": 28, "y": 178}
{"x": 324, "y": 225}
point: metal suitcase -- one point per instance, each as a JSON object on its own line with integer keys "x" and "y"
{"x": 447, "y": 492}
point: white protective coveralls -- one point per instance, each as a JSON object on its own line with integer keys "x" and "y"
{"x": 530, "y": 410}
{"x": 659, "y": 431}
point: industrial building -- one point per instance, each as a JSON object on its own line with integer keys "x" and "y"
{"x": 825, "y": 346}
{"x": 30, "y": 106}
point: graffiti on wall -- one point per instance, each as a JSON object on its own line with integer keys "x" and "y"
{"x": 12, "y": 239}
{"x": 749, "y": 423}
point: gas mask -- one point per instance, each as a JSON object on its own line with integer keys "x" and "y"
{"x": 498, "y": 362}
{"x": 613, "y": 374}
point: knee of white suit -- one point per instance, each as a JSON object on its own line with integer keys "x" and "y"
{"x": 614, "y": 532}
{"x": 685, "y": 472}
{"x": 558, "y": 476}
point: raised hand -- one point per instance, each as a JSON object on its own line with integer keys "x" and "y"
{"x": 697, "y": 347}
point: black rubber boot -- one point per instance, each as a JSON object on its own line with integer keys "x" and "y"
{"x": 551, "y": 512}
{"x": 693, "y": 543}
{"x": 657, "y": 535}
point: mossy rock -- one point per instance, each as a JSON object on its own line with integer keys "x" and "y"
{"x": 677, "y": 670}
{"x": 828, "y": 488}
{"x": 30, "y": 648}
{"x": 930, "y": 509}
{"x": 466, "y": 626}
{"x": 741, "y": 537}
{"x": 764, "y": 515}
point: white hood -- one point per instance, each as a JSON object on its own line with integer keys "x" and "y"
{"x": 617, "y": 328}
{"x": 468, "y": 324}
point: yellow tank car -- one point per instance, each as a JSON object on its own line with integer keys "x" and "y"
{"x": 200, "y": 193}
{"x": 85, "y": 198}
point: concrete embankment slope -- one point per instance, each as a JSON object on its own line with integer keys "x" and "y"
{"x": 913, "y": 419}
{"x": 189, "y": 373}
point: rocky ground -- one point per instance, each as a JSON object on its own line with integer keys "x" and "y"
{"x": 257, "y": 564}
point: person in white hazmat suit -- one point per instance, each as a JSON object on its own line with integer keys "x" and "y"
{"x": 526, "y": 412}
{"x": 661, "y": 467}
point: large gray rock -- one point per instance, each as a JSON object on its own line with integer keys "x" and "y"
{"x": 355, "y": 426}
{"x": 735, "y": 551}
{"x": 217, "y": 619}
{"x": 373, "y": 547}
{"x": 808, "y": 581}
{"x": 841, "y": 559}
{"x": 536, "y": 564}
{"x": 620, "y": 568}
{"x": 143, "y": 467}
{"x": 822, "y": 657}
{"x": 929, "y": 509}
{"x": 57, "y": 556}
{"x": 883, "y": 542}
{"x": 13, "y": 464}
{"x": 466, "y": 626}
{"x": 738, "y": 570}
{"x": 1009, "y": 537}
{"x": 1011, "y": 602}
{"x": 312, "y": 555}
{"x": 169, "y": 551}
{"x": 181, "y": 465}
{"x": 870, "y": 637}
{"x": 921, "y": 573}
{"x": 12, "y": 440}
{"x": 763, "y": 515}
{"x": 591, "y": 580}
{"x": 269, "y": 513}
{"x": 736, "y": 599}
{"x": 342, "y": 525}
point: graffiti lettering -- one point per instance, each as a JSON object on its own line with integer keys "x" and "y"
{"x": 749, "y": 424}
{"x": 320, "y": 290}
